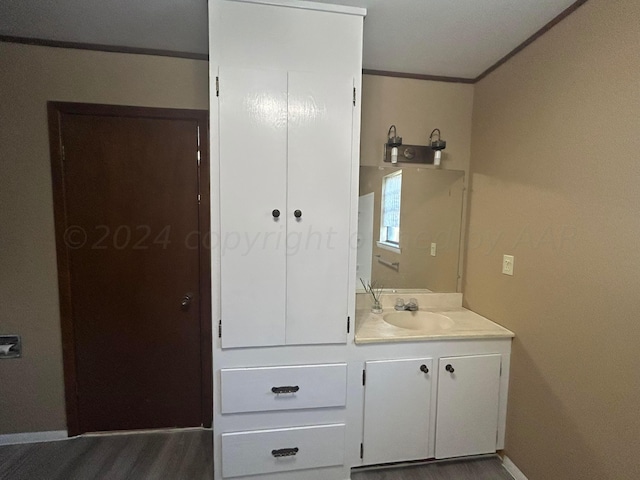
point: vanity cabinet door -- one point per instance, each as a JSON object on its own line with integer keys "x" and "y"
{"x": 397, "y": 407}
{"x": 318, "y": 206}
{"x": 253, "y": 165}
{"x": 467, "y": 408}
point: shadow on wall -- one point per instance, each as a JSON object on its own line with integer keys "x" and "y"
{"x": 576, "y": 460}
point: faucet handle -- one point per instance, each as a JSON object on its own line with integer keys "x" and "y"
{"x": 413, "y": 304}
{"x": 399, "y": 304}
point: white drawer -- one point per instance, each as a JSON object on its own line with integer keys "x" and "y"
{"x": 281, "y": 450}
{"x": 300, "y": 386}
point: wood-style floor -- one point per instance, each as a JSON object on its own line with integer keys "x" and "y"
{"x": 182, "y": 455}
{"x": 478, "y": 469}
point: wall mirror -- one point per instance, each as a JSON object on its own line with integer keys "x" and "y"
{"x": 409, "y": 226}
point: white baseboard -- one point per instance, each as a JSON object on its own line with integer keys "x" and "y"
{"x": 510, "y": 467}
{"x": 33, "y": 437}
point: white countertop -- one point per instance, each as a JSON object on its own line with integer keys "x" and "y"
{"x": 371, "y": 327}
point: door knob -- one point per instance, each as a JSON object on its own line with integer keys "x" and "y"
{"x": 424, "y": 368}
{"x": 297, "y": 213}
{"x": 186, "y": 300}
{"x": 449, "y": 368}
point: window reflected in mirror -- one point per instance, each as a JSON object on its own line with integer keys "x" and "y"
{"x": 390, "y": 207}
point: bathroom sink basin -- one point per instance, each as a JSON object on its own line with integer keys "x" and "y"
{"x": 418, "y": 320}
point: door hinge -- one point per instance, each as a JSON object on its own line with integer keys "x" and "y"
{"x": 500, "y": 368}
{"x": 220, "y": 329}
{"x": 217, "y": 86}
{"x": 362, "y": 450}
{"x": 354, "y": 96}
{"x": 348, "y": 324}
{"x": 198, "y": 199}
{"x": 364, "y": 377}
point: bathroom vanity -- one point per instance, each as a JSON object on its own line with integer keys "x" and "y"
{"x": 307, "y": 385}
{"x": 435, "y": 380}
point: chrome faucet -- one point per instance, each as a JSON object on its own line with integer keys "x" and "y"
{"x": 411, "y": 305}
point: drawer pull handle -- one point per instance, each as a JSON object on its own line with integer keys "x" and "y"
{"x": 284, "y": 452}
{"x": 292, "y": 389}
{"x": 449, "y": 368}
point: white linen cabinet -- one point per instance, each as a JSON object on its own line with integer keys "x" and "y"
{"x": 285, "y": 184}
{"x": 285, "y": 79}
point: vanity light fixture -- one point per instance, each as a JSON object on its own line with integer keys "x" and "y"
{"x": 437, "y": 146}
{"x": 431, "y": 154}
{"x": 394, "y": 142}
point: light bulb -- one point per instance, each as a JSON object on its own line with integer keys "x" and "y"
{"x": 437, "y": 157}
{"x": 394, "y": 155}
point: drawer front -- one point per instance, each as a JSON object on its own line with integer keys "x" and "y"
{"x": 283, "y": 388}
{"x": 282, "y": 450}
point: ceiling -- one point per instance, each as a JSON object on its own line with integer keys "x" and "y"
{"x": 455, "y": 38}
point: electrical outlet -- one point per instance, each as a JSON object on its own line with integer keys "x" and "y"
{"x": 507, "y": 264}
{"x": 433, "y": 249}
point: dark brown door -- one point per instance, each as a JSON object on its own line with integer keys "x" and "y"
{"x": 131, "y": 266}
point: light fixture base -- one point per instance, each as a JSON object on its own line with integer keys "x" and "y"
{"x": 394, "y": 141}
{"x": 438, "y": 144}
{"x": 410, "y": 154}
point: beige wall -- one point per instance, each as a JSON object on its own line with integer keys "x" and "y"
{"x": 31, "y": 388}
{"x": 416, "y": 107}
{"x": 555, "y": 178}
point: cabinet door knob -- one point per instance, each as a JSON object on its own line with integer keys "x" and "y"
{"x": 297, "y": 213}
{"x": 423, "y": 368}
{"x": 275, "y": 213}
{"x": 449, "y": 368}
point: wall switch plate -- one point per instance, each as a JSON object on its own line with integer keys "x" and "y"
{"x": 10, "y": 346}
{"x": 433, "y": 249}
{"x": 507, "y": 264}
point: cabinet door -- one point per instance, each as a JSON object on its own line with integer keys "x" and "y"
{"x": 319, "y": 186}
{"x": 467, "y": 409}
{"x": 253, "y": 152}
{"x": 396, "y": 410}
